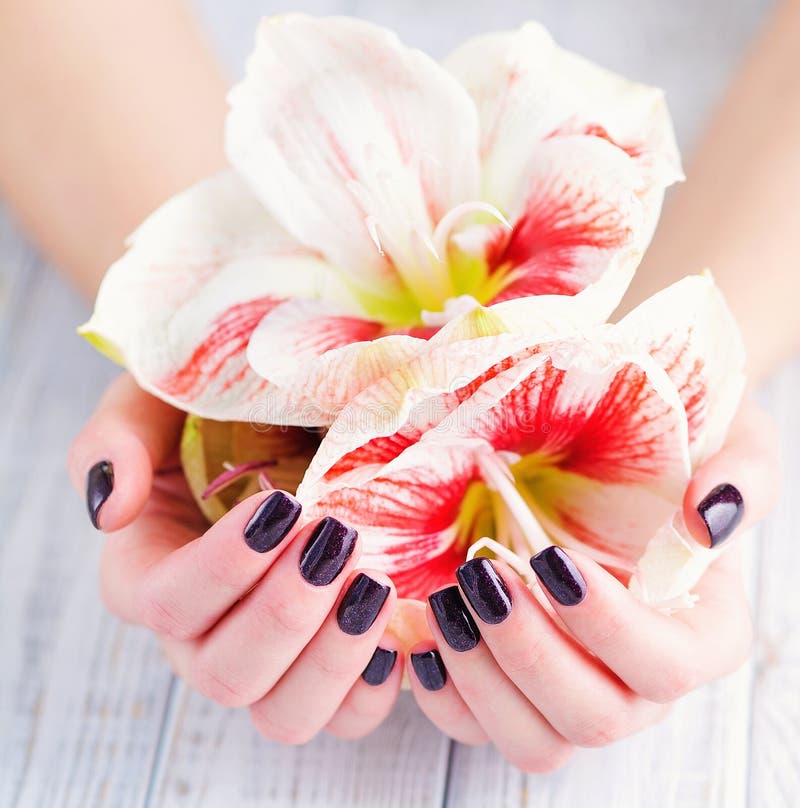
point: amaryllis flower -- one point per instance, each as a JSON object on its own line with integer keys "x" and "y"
{"x": 375, "y": 195}
{"x": 586, "y": 438}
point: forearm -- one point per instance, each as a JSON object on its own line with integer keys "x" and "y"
{"x": 107, "y": 109}
{"x": 738, "y": 213}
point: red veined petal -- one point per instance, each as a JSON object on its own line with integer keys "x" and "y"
{"x": 200, "y": 273}
{"x": 580, "y": 215}
{"x": 406, "y": 515}
{"x": 690, "y": 332}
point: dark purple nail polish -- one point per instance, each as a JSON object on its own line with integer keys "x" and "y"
{"x": 361, "y": 604}
{"x": 327, "y": 551}
{"x": 721, "y": 510}
{"x": 271, "y": 522}
{"x": 379, "y": 667}
{"x": 485, "y": 590}
{"x": 454, "y": 619}
{"x": 99, "y": 485}
{"x": 563, "y": 580}
{"x": 430, "y": 670}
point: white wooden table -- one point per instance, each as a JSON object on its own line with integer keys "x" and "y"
{"x": 90, "y": 715}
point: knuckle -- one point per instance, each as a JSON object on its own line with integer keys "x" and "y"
{"x": 218, "y": 686}
{"x": 291, "y": 734}
{"x": 159, "y": 614}
{"x": 523, "y": 660}
{"x": 676, "y": 682}
{"x": 334, "y": 667}
{"x": 599, "y": 730}
{"x": 611, "y": 629}
{"x": 542, "y": 761}
{"x": 289, "y": 617}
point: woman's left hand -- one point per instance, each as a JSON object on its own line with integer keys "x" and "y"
{"x": 504, "y": 670}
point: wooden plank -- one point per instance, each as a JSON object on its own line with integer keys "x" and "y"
{"x": 215, "y": 757}
{"x": 81, "y": 696}
{"x": 775, "y": 746}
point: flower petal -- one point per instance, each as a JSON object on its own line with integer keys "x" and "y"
{"x": 579, "y": 218}
{"x": 392, "y": 414}
{"x": 689, "y": 330}
{"x": 588, "y": 408}
{"x": 672, "y": 564}
{"x": 349, "y": 138}
{"x": 527, "y": 90}
{"x": 406, "y": 514}
{"x": 298, "y": 331}
{"x": 200, "y": 273}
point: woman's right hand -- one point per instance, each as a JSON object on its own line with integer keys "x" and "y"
{"x": 260, "y": 609}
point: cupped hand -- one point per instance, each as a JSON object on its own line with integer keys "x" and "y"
{"x": 260, "y": 609}
{"x": 589, "y": 664}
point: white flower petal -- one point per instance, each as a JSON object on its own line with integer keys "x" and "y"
{"x": 527, "y": 90}
{"x": 201, "y": 272}
{"x": 356, "y": 144}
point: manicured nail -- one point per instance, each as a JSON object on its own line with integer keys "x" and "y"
{"x": 454, "y": 619}
{"x": 272, "y": 521}
{"x": 361, "y": 604}
{"x": 379, "y": 667}
{"x": 99, "y": 485}
{"x": 327, "y": 551}
{"x": 722, "y": 510}
{"x": 430, "y": 669}
{"x": 563, "y": 580}
{"x": 485, "y": 590}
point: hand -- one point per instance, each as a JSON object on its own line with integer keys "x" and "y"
{"x": 590, "y": 664}
{"x": 249, "y": 611}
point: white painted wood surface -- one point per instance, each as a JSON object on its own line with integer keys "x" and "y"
{"x": 89, "y": 713}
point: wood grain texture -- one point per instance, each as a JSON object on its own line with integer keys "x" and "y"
{"x": 775, "y": 740}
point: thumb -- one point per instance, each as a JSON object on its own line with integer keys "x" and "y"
{"x": 112, "y": 460}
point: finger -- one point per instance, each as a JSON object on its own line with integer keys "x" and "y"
{"x": 111, "y": 461}
{"x": 512, "y": 723}
{"x": 375, "y": 692}
{"x": 248, "y": 651}
{"x": 188, "y": 590}
{"x": 438, "y": 697}
{"x": 738, "y": 485}
{"x": 658, "y": 656}
{"x": 316, "y": 684}
{"x": 578, "y": 696}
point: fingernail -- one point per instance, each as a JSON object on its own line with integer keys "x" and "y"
{"x": 721, "y": 510}
{"x": 361, "y": 604}
{"x": 560, "y": 576}
{"x": 485, "y": 590}
{"x": 454, "y": 619}
{"x": 379, "y": 667}
{"x": 272, "y": 521}
{"x": 430, "y": 669}
{"x": 327, "y": 551}
{"x": 99, "y": 485}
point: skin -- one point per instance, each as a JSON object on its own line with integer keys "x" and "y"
{"x": 512, "y": 688}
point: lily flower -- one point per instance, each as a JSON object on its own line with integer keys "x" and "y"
{"x": 375, "y": 195}
{"x": 498, "y": 440}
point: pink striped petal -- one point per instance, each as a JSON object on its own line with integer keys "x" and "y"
{"x": 589, "y": 410}
{"x": 691, "y": 333}
{"x": 528, "y": 90}
{"x": 356, "y": 144}
{"x": 406, "y": 514}
{"x": 580, "y": 219}
{"x": 178, "y": 309}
